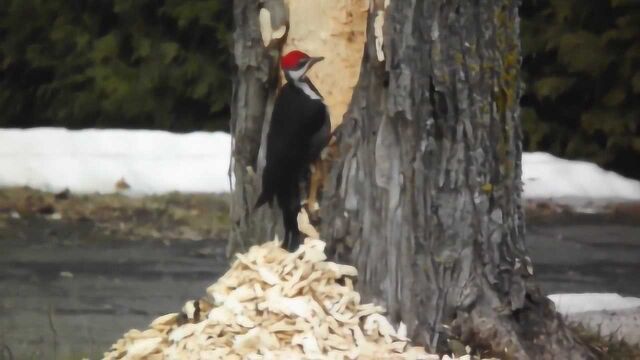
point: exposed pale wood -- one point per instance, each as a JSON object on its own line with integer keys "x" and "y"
{"x": 334, "y": 29}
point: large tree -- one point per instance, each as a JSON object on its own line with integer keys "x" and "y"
{"x": 424, "y": 197}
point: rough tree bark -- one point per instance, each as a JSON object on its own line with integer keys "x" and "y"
{"x": 254, "y": 84}
{"x": 425, "y": 197}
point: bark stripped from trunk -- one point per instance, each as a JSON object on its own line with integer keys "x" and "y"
{"x": 336, "y": 30}
{"x": 425, "y": 199}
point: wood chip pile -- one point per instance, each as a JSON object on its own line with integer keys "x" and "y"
{"x": 273, "y": 304}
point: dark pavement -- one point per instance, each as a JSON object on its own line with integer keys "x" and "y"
{"x": 64, "y": 290}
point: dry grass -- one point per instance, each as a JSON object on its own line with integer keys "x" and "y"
{"x": 606, "y": 347}
{"x": 172, "y": 216}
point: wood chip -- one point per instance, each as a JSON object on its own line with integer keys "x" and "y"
{"x": 273, "y": 304}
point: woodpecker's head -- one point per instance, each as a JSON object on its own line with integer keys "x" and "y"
{"x": 295, "y": 64}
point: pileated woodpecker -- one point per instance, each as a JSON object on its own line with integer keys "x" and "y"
{"x": 300, "y": 129}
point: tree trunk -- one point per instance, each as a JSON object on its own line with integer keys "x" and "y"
{"x": 425, "y": 196}
{"x": 254, "y": 84}
{"x": 425, "y": 199}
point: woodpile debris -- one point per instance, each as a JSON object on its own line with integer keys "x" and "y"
{"x": 273, "y": 304}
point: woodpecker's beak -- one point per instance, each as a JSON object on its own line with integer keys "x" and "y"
{"x": 314, "y": 60}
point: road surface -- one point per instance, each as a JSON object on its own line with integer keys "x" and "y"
{"x": 67, "y": 291}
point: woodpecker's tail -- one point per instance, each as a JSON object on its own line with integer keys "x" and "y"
{"x": 290, "y": 205}
{"x": 263, "y": 199}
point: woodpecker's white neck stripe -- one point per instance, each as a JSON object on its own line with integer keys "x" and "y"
{"x": 298, "y": 78}
{"x": 302, "y": 85}
{"x": 297, "y": 75}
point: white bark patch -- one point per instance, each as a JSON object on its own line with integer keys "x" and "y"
{"x": 387, "y": 155}
{"x": 279, "y": 32}
{"x": 378, "y": 23}
{"x": 435, "y": 32}
{"x": 349, "y": 191}
{"x": 266, "y": 28}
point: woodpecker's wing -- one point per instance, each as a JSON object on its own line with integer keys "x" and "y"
{"x": 319, "y": 139}
{"x": 320, "y": 128}
{"x": 282, "y": 143}
{"x": 295, "y": 120}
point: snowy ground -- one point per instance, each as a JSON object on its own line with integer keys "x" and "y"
{"x": 577, "y": 303}
{"x": 547, "y": 176}
{"x": 607, "y": 314}
{"x": 87, "y": 161}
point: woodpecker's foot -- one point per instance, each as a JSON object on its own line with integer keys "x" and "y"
{"x": 292, "y": 241}
{"x": 313, "y": 210}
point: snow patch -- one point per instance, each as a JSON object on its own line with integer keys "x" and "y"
{"x": 547, "y": 176}
{"x": 577, "y": 303}
{"x": 87, "y": 161}
{"x": 150, "y": 161}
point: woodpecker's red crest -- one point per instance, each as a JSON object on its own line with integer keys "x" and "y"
{"x": 295, "y": 66}
{"x": 293, "y": 60}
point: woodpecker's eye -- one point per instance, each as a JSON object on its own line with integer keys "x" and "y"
{"x": 302, "y": 63}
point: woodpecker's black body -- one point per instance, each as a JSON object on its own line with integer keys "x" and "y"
{"x": 300, "y": 129}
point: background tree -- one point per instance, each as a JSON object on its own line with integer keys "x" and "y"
{"x": 425, "y": 196}
{"x": 116, "y": 63}
{"x": 582, "y": 70}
